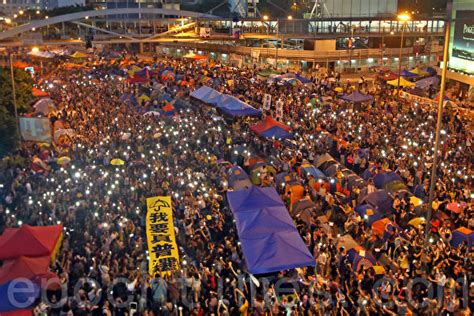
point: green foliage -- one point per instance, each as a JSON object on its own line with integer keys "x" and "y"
{"x": 9, "y": 138}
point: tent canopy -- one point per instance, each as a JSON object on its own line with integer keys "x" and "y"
{"x": 380, "y": 200}
{"x": 38, "y": 93}
{"x": 270, "y": 241}
{"x": 425, "y": 83}
{"x": 227, "y": 104}
{"x": 270, "y": 128}
{"x": 78, "y": 54}
{"x": 463, "y": 234}
{"x": 383, "y": 179}
{"x": 29, "y": 241}
{"x": 407, "y": 74}
{"x": 308, "y": 169}
{"x": 403, "y": 82}
{"x": 25, "y": 267}
{"x": 357, "y": 97}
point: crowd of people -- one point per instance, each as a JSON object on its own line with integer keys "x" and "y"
{"x": 102, "y": 206}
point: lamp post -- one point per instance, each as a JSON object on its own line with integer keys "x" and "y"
{"x": 14, "y": 94}
{"x": 434, "y": 168}
{"x": 403, "y": 18}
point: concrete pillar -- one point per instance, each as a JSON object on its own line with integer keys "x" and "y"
{"x": 141, "y": 47}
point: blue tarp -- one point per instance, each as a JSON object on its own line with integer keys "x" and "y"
{"x": 427, "y": 82}
{"x": 277, "y": 133}
{"x": 270, "y": 241}
{"x": 22, "y": 298}
{"x": 302, "y": 79}
{"x": 227, "y": 104}
{"x": 234, "y": 107}
{"x": 356, "y": 97}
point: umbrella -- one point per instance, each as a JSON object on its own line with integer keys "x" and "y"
{"x": 455, "y": 207}
{"x": 117, "y": 162}
{"x": 403, "y": 82}
{"x": 417, "y": 221}
{"x": 63, "y": 160}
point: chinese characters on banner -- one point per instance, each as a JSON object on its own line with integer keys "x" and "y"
{"x": 162, "y": 248}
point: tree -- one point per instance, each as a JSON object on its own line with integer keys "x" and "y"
{"x": 9, "y": 138}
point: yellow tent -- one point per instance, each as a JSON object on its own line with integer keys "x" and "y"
{"x": 403, "y": 82}
{"x": 133, "y": 70}
{"x": 415, "y": 201}
{"x": 417, "y": 221}
{"x": 78, "y": 54}
{"x": 419, "y": 71}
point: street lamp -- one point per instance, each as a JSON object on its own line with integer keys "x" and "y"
{"x": 404, "y": 17}
{"x": 290, "y": 17}
{"x": 438, "y": 126}
{"x": 34, "y": 49}
{"x": 265, "y": 17}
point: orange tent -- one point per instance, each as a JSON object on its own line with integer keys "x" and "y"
{"x": 378, "y": 227}
{"x": 39, "y": 93}
{"x": 26, "y": 267}
{"x": 31, "y": 241}
{"x": 20, "y": 64}
{"x": 296, "y": 192}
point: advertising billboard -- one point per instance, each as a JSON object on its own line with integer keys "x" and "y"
{"x": 37, "y": 129}
{"x": 462, "y": 37}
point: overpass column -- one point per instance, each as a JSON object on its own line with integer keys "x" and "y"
{"x": 141, "y": 47}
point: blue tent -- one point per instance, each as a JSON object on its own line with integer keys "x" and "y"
{"x": 427, "y": 82}
{"x": 234, "y": 107}
{"x": 303, "y": 79}
{"x": 384, "y": 178}
{"x": 405, "y": 73}
{"x": 270, "y": 241}
{"x": 370, "y": 216}
{"x": 307, "y": 169}
{"x": 145, "y": 72}
{"x": 277, "y": 133}
{"x": 380, "y": 200}
{"x": 357, "y": 97}
{"x": 207, "y": 95}
{"x": 431, "y": 71}
{"x": 236, "y": 174}
{"x": 23, "y": 298}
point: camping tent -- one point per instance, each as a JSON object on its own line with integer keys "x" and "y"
{"x": 463, "y": 234}
{"x": 380, "y": 200}
{"x": 403, "y": 82}
{"x": 357, "y": 97}
{"x": 29, "y": 241}
{"x": 405, "y": 73}
{"x": 359, "y": 257}
{"x": 238, "y": 178}
{"x": 270, "y": 128}
{"x": 308, "y": 169}
{"x": 389, "y": 181}
{"x": 270, "y": 241}
{"x": 234, "y": 107}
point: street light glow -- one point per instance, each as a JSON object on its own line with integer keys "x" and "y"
{"x": 8, "y": 20}
{"x": 404, "y": 17}
{"x": 35, "y": 50}
{"x": 290, "y": 17}
{"x": 265, "y": 17}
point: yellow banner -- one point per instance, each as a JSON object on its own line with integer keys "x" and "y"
{"x": 162, "y": 249}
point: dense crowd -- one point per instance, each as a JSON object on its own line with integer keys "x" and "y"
{"x": 102, "y": 206}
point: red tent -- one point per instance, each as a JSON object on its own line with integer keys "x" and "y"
{"x": 38, "y": 93}
{"x": 137, "y": 79}
{"x": 29, "y": 241}
{"x": 267, "y": 123}
{"x": 26, "y": 267}
{"x": 168, "y": 107}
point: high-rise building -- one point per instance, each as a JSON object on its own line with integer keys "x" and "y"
{"x": 14, "y": 6}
